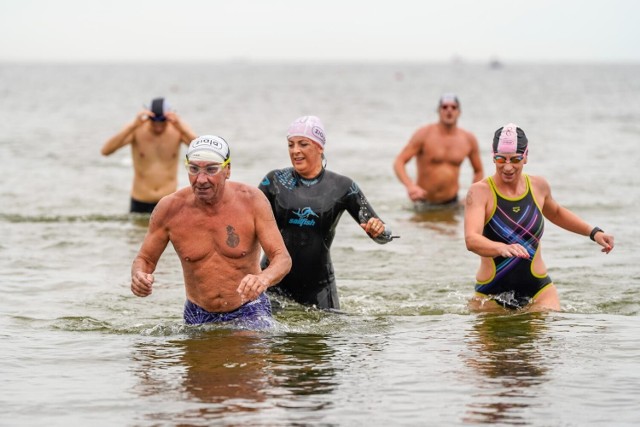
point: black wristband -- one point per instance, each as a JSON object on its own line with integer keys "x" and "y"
{"x": 593, "y": 233}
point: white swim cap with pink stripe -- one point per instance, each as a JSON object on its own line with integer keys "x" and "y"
{"x": 309, "y": 127}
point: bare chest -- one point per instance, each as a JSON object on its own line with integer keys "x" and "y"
{"x": 448, "y": 149}
{"x": 205, "y": 237}
{"x": 156, "y": 148}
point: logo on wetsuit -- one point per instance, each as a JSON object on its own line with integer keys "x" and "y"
{"x": 303, "y": 217}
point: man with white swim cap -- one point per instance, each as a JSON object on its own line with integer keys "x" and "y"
{"x": 439, "y": 149}
{"x": 504, "y": 223}
{"x": 218, "y": 228}
{"x": 155, "y": 137}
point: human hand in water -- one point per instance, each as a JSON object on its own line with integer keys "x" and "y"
{"x": 250, "y": 287}
{"x": 374, "y": 227}
{"x": 142, "y": 283}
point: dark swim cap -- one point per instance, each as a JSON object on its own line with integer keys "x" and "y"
{"x": 159, "y": 106}
{"x": 510, "y": 139}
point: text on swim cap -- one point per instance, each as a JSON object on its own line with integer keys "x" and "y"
{"x": 317, "y": 132}
{"x": 208, "y": 141}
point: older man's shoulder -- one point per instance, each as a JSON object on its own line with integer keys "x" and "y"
{"x": 240, "y": 189}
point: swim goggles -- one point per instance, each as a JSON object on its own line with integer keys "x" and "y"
{"x": 212, "y": 169}
{"x": 503, "y": 159}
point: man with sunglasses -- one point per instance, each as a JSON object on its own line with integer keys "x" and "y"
{"x": 504, "y": 222}
{"x": 155, "y": 137}
{"x": 218, "y": 229}
{"x": 439, "y": 149}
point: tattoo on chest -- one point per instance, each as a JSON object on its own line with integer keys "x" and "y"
{"x": 232, "y": 237}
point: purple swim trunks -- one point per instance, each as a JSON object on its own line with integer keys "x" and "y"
{"x": 255, "y": 314}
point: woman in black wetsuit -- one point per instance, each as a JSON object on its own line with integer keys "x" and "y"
{"x": 308, "y": 201}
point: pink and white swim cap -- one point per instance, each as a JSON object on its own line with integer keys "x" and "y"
{"x": 510, "y": 139}
{"x": 309, "y": 127}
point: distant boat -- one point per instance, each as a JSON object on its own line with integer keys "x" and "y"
{"x": 495, "y": 64}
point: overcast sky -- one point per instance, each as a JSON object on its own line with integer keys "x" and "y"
{"x": 300, "y": 30}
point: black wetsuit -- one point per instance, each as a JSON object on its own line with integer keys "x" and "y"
{"x": 307, "y": 213}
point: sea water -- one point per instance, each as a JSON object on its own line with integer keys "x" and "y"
{"x": 78, "y": 347}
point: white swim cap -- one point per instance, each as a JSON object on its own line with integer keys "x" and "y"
{"x": 447, "y": 98}
{"x": 209, "y": 148}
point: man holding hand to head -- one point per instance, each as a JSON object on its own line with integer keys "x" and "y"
{"x": 155, "y": 136}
